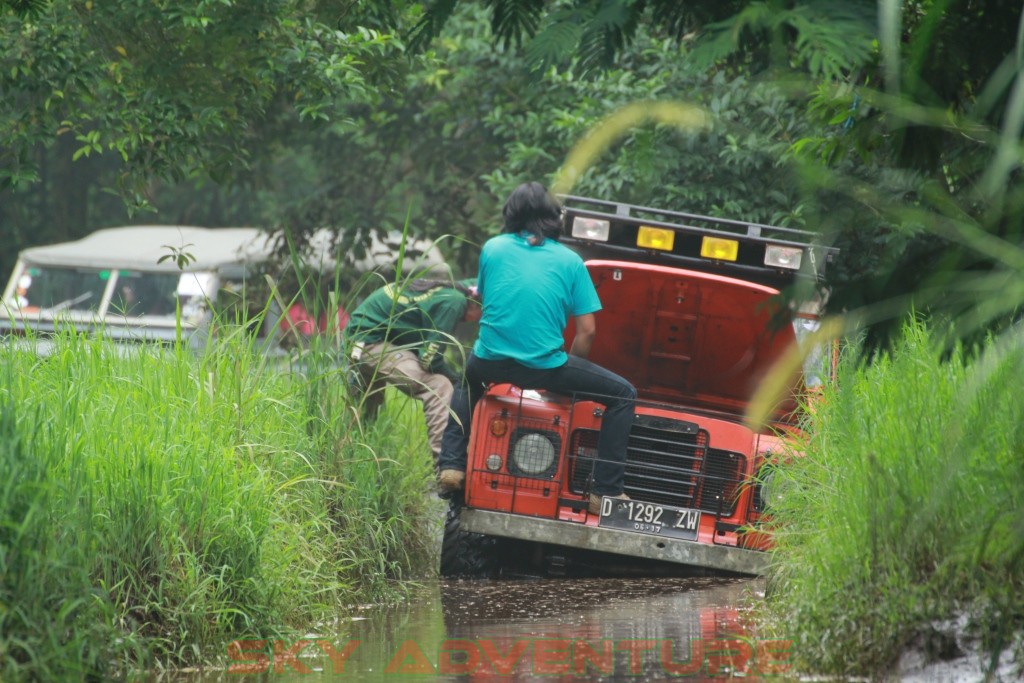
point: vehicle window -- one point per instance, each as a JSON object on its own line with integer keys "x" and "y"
{"x": 53, "y": 290}
{"x": 137, "y": 294}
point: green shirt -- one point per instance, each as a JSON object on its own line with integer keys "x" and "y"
{"x": 422, "y": 321}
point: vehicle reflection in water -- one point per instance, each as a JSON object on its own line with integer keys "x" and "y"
{"x": 601, "y": 629}
{"x": 533, "y": 630}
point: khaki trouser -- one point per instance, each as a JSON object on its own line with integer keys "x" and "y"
{"x": 382, "y": 364}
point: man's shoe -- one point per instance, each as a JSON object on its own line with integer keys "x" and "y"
{"x": 450, "y": 481}
{"x": 595, "y": 502}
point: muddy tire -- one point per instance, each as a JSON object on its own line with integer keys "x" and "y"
{"x": 467, "y": 555}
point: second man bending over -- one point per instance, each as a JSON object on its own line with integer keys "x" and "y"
{"x": 397, "y": 337}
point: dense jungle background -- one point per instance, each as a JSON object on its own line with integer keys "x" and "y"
{"x": 154, "y": 504}
{"x": 893, "y": 128}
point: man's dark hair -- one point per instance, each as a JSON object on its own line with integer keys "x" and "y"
{"x": 531, "y": 209}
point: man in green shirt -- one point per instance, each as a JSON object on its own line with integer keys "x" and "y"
{"x": 398, "y": 336}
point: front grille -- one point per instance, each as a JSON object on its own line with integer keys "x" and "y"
{"x": 582, "y": 453}
{"x": 722, "y": 471}
{"x": 667, "y": 462}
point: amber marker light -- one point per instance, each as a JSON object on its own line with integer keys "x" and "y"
{"x": 499, "y": 427}
{"x": 655, "y": 238}
{"x": 719, "y": 248}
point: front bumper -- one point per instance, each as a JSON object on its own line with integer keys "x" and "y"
{"x": 541, "y": 530}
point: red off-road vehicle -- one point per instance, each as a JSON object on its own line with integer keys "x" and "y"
{"x": 695, "y": 313}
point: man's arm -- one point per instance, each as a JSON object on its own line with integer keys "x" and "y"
{"x": 440, "y": 313}
{"x": 586, "y": 330}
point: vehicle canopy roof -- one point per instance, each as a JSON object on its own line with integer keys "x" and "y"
{"x": 141, "y": 248}
{"x": 228, "y": 251}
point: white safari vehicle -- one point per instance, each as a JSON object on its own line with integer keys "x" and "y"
{"x": 128, "y": 283}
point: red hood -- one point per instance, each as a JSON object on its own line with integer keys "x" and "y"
{"x": 686, "y": 337}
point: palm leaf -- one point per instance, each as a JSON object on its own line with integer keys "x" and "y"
{"x": 609, "y": 28}
{"x": 557, "y": 41}
{"x": 829, "y": 38}
{"x": 26, "y": 8}
{"x": 722, "y": 39}
{"x": 430, "y": 24}
{"x": 514, "y": 20}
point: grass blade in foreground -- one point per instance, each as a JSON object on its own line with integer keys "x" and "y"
{"x": 161, "y": 504}
{"x": 905, "y": 507}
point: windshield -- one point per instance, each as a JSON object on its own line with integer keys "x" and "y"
{"x": 144, "y": 294}
{"x": 52, "y": 290}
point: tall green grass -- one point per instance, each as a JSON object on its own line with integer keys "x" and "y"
{"x": 155, "y": 504}
{"x": 906, "y": 506}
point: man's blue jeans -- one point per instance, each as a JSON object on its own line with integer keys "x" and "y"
{"x": 578, "y": 378}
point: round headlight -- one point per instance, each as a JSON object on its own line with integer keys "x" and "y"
{"x": 771, "y": 487}
{"x": 762, "y": 490}
{"x": 533, "y": 455}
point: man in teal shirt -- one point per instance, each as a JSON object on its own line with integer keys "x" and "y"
{"x": 530, "y": 285}
{"x": 398, "y": 335}
{"x": 529, "y": 329}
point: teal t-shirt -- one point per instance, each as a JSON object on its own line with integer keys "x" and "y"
{"x": 529, "y": 293}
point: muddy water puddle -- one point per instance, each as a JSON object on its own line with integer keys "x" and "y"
{"x": 530, "y": 630}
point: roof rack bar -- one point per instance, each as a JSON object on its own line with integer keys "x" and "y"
{"x": 630, "y": 210}
{"x": 752, "y": 231}
{"x": 760, "y": 253}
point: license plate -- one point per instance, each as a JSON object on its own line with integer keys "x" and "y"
{"x": 648, "y": 518}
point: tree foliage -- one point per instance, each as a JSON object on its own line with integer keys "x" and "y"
{"x": 166, "y": 90}
{"x": 919, "y": 161}
{"x": 911, "y": 127}
{"x": 171, "y": 88}
{"x": 893, "y": 127}
{"x": 472, "y": 122}
{"x": 826, "y": 37}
